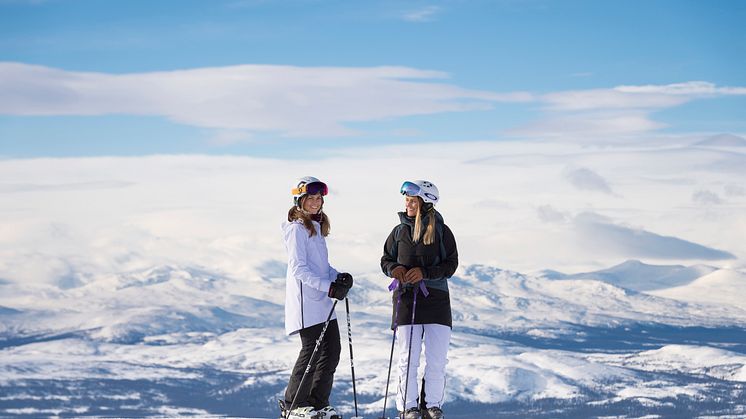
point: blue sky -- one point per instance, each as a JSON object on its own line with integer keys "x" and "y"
{"x": 470, "y": 70}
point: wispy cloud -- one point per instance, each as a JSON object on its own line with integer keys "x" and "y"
{"x": 239, "y": 101}
{"x": 594, "y": 125}
{"x": 227, "y": 137}
{"x": 705, "y": 197}
{"x": 425, "y": 14}
{"x": 617, "y": 111}
{"x": 637, "y": 97}
{"x": 293, "y": 101}
{"x": 586, "y": 179}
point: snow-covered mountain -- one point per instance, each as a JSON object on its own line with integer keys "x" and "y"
{"x": 154, "y": 286}
{"x": 723, "y": 286}
{"x": 639, "y": 276}
{"x": 186, "y": 341}
{"x": 698, "y": 283}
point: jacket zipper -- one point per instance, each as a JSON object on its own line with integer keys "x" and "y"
{"x": 302, "y": 320}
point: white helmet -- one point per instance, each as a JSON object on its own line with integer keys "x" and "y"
{"x": 308, "y": 185}
{"x": 422, "y": 188}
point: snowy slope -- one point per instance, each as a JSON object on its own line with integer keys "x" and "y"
{"x": 723, "y": 286}
{"x": 639, "y": 276}
{"x": 696, "y": 284}
{"x": 518, "y": 339}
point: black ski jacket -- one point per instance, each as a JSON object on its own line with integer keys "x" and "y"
{"x": 438, "y": 262}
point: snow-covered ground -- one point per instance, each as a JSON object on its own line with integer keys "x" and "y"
{"x": 593, "y": 281}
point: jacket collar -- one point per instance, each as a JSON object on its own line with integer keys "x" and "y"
{"x": 405, "y": 219}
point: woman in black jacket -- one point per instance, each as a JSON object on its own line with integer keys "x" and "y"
{"x": 420, "y": 253}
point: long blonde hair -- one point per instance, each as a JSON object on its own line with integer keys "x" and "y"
{"x": 296, "y": 213}
{"x": 430, "y": 230}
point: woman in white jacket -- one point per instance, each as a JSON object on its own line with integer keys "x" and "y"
{"x": 310, "y": 287}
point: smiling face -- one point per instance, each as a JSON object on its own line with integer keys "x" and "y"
{"x": 412, "y": 205}
{"x": 312, "y": 203}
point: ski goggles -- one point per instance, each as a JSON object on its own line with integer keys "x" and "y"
{"x": 412, "y": 189}
{"x": 312, "y": 188}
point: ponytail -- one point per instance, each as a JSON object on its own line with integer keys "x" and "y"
{"x": 429, "y": 231}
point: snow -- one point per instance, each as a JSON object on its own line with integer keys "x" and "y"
{"x": 635, "y": 275}
{"x": 687, "y": 359}
{"x": 154, "y": 285}
{"x": 723, "y": 286}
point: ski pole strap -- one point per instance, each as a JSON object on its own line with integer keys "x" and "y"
{"x": 394, "y": 284}
{"x": 421, "y": 285}
{"x": 423, "y": 288}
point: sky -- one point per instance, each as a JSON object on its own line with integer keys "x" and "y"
{"x": 289, "y": 79}
{"x": 567, "y": 135}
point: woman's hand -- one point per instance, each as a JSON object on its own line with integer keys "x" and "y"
{"x": 398, "y": 273}
{"x": 413, "y": 276}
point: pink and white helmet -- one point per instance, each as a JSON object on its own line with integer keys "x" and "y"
{"x": 308, "y": 185}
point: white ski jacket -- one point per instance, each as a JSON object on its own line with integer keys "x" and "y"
{"x": 308, "y": 277}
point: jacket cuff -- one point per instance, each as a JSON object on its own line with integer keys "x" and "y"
{"x": 327, "y": 285}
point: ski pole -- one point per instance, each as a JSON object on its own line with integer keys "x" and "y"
{"x": 392, "y": 287}
{"x": 310, "y": 360}
{"x": 409, "y": 352}
{"x": 352, "y": 363}
{"x": 419, "y": 287}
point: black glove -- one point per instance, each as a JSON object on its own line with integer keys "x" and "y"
{"x": 344, "y": 279}
{"x": 341, "y": 286}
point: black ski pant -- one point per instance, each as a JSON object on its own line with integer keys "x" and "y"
{"x": 318, "y": 384}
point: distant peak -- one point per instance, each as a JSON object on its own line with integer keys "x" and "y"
{"x": 632, "y": 262}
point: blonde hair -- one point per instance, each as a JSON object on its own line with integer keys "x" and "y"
{"x": 430, "y": 230}
{"x": 296, "y": 213}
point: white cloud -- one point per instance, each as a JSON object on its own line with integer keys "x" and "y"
{"x": 706, "y": 197}
{"x": 595, "y": 126}
{"x": 735, "y": 190}
{"x": 549, "y": 214}
{"x": 506, "y": 202}
{"x": 227, "y": 137}
{"x": 294, "y": 101}
{"x": 601, "y": 235}
{"x": 637, "y": 97}
{"x": 425, "y": 14}
{"x": 692, "y": 89}
{"x": 586, "y": 179}
{"x": 609, "y": 99}
{"x": 617, "y": 111}
{"x": 239, "y": 101}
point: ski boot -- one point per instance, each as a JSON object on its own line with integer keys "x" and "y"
{"x": 307, "y": 412}
{"x": 329, "y": 413}
{"x": 411, "y": 413}
{"x": 432, "y": 413}
{"x": 298, "y": 412}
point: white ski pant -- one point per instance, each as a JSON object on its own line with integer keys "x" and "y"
{"x": 436, "y": 338}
